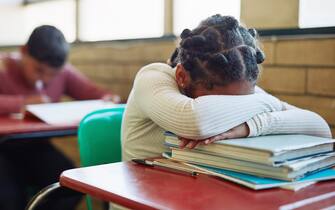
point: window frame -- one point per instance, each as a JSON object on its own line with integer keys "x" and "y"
{"x": 168, "y": 27}
{"x": 283, "y": 32}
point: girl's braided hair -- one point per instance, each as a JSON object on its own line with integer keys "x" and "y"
{"x": 219, "y": 51}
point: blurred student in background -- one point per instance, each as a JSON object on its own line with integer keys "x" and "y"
{"x": 38, "y": 74}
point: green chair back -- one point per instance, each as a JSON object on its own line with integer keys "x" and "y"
{"x": 99, "y": 137}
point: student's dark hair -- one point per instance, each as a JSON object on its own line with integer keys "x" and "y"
{"x": 173, "y": 60}
{"x": 48, "y": 45}
{"x": 220, "y": 51}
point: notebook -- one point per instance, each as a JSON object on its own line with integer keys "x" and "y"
{"x": 258, "y": 183}
{"x": 251, "y": 181}
{"x": 66, "y": 113}
{"x": 270, "y": 150}
{"x": 289, "y": 170}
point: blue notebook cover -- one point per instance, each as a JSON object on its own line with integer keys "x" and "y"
{"x": 257, "y": 183}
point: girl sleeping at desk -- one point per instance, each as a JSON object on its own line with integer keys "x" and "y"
{"x": 208, "y": 92}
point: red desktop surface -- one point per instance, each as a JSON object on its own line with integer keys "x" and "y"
{"x": 31, "y": 126}
{"x": 141, "y": 187}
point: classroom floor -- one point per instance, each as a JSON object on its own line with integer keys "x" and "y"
{"x": 69, "y": 146}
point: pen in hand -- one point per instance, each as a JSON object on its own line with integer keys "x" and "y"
{"x": 39, "y": 89}
{"x": 158, "y": 164}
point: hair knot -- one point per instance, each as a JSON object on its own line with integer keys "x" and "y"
{"x": 186, "y": 33}
{"x": 194, "y": 42}
{"x": 219, "y": 59}
{"x": 231, "y": 23}
{"x": 260, "y": 56}
{"x": 252, "y": 32}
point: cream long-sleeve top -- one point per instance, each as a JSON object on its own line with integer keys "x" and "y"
{"x": 155, "y": 105}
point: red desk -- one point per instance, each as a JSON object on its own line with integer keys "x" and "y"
{"x": 139, "y": 187}
{"x": 31, "y": 128}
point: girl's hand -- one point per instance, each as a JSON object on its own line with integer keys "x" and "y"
{"x": 240, "y": 131}
{"x": 113, "y": 98}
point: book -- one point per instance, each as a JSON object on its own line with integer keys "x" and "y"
{"x": 289, "y": 170}
{"x": 297, "y": 186}
{"x": 66, "y": 113}
{"x": 258, "y": 183}
{"x": 251, "y": 181}
{"x": 270, "y": 150}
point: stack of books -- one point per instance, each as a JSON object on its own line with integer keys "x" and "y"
{"x": 261, "y": 162}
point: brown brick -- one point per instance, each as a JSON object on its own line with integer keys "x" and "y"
{"x": 131, "y": 71}
{"x": 87, "y": 70}
{"x": 114, "y": 77}
{"x": 109, "y": 72}
{"x": 321, "y": 81}
{"x": 120, "y": 72}
{"x": 122, "y": 89}
{"x": 122, "y": 52}
{"x": 125, "y": 91}
{"x": 283, "y": 79}
{"x": 269, "y": 50}
{"x": 83, "y": 54}
{"x": 9, "y": 49}
{"x": 133, "y": 54}
{"x": 333, "y": 131}
{"x": 158, "y": 52}
{"x": 270, "y": 13}
{"x": 321, "y": 105}
{"x": 311, "y": 52}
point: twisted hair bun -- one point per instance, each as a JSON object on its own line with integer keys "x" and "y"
{"x": 231, "y": 23}
{"x": 220, "y": 51}
{"x": 186, "y": 33}
{"x": 227, "y": 22}
{"x": 194, "y": 42}
{"x": 219, "y": 59}
{"x": 252, "y": 32}
{"x": 260, "y": 56}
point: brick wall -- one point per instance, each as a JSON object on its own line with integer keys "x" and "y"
{"x": 302, "y": 72}
{"x": 267, "y": 14}
{"x": 114, "y": 65}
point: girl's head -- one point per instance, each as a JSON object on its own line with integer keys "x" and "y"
{"x": 217, "y": 57}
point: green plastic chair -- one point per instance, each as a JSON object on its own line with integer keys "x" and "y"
{"x": 99, "y": 138}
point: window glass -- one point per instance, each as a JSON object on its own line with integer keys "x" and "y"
{"x": 189, "y": 13}
{"x": 120, "y": 19}
{"x": 60, "y": 14}
{"x": 11, "y": 24}
{"x": 316, "y": 13}
{"x": 18, "y": 21}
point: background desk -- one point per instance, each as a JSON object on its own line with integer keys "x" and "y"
{"x": 32, "y": 128}
{"x": 140, "y": 187}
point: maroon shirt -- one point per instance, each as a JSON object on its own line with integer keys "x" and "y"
{"x": 13, "y": 87}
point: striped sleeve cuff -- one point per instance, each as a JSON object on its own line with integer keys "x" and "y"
{"x": 252, "y": 127}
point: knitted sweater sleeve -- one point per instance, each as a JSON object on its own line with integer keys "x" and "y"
{"x": 160, "y": 100}
{"x": 291, "y": 120}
